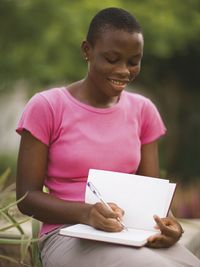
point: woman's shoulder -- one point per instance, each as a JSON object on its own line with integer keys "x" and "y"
{"x": 52, "y": 94}
{"x": 140, "y": 103}
{"x": 50, "y": 101}
{"x": 50, "y": 98}
{"x": 137, "y": 100}
{"x": 133, "y": 96}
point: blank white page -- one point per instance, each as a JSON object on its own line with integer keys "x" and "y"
{"x": 140, "y": 197}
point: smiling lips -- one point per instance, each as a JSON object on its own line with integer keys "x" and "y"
{"x": 119, "y": 83}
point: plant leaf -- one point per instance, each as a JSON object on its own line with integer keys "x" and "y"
{"x": 13, "y": 204}
{"x": 15, "y": 224}
{"x": 3, "y": 178}
{"x": 15, "y": 241}
{"x": 24, "y": 248}
{"x": 7, "y": 190}
{"x": 8, "y": 258}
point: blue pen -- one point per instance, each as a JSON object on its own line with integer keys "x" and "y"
{"x": 99, "y": 196}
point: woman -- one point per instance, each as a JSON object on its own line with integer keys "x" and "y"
{"x": 94, "y": 123}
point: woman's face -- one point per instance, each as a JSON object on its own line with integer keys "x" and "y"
{"x": 114, "y": 60}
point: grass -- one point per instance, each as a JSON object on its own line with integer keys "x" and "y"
{"x": 11, "y": 218}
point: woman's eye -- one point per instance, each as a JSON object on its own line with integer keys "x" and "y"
{"x": 111, "y": 61}
{"x": 133, "y": 63}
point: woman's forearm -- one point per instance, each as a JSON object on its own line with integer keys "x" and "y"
{"x": 48, "y": 209}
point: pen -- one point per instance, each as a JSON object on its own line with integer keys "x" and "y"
{"x": 99, "y": 196}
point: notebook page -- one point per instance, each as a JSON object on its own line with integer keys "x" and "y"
{"x": 172, "y": 187}
{"x": 131, "y": 237}
{"x": 140, "y": 197}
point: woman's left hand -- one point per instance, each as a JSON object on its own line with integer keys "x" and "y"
{"x": 171, "y": 232}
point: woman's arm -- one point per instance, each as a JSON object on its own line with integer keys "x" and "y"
{"x": 170, "y": 229}
{"x": 149, "y": 163}
{"x": 31, "y": 171}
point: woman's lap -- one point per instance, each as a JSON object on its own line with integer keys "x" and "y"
{"x": 62, "y": 251}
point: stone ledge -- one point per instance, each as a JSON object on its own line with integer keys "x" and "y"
{"x": 191, "y": 235}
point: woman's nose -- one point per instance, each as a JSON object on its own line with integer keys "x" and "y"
{"x": 123, "y": 70}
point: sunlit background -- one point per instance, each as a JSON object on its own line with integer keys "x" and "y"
{"x": 40, "y": 48}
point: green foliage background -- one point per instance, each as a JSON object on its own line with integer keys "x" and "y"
{"x": 40, "y": 43}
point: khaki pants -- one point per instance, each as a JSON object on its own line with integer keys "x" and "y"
{"x": 62, "y": 251}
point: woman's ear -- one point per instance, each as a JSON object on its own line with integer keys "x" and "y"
{"x": 85, "y": 48}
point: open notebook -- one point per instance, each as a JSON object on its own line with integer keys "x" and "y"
{"x": 140, "y": 197}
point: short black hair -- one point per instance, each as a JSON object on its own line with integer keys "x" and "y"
{"x": 110, "y": 18}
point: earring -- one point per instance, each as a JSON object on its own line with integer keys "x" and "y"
{"x": 86, "y": 57}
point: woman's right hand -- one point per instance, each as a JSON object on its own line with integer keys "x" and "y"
{"x": 100, "y": 217}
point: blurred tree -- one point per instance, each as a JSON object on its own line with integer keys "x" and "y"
{"x": 40, "y": 40}
{"x": 40, "y": 43}
{"x": 171, "y": 72}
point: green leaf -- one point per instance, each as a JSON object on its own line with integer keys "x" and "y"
{"x": 24, "y": 247}
{"x": 8, "y": 258}
{"x": 12, "y": 204}
{"x": 15, "y": 241}
{"x": 3, "y": 178}
{"x": 15, "y": 224}
{"x": 6, "y": 191}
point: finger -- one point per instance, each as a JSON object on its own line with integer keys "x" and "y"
{"x": 107, "y": 213}
{"x": 98, "y": 221}
{"x": 170, "y": 222}
{"x": 110, "y": 214}
{"x": 171, "y": 228}
{"x": 175, "y": 225}
{"x": 153, "y": 238}
{"x": 109, "y": 219}
{"x": 159, "y": 241}
{"x": 117, "y": 209}
{"x": 109, "y": 224}
{"x": 112, "y": 225}
{"x": 161, "y": 223}
{"x": 112, "y": 205}
{"x": 167, "y": 221}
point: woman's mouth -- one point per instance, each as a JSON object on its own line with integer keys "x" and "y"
{"x": 119, "y": 83}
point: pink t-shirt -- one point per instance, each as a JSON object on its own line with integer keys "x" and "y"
{"x": 81, "y": 137}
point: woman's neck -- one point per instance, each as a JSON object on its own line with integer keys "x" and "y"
{"x": 86, "y": 93}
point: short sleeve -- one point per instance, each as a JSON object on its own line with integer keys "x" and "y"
{"x": 37, "y": 118}
{"x": 152, "y": 126}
